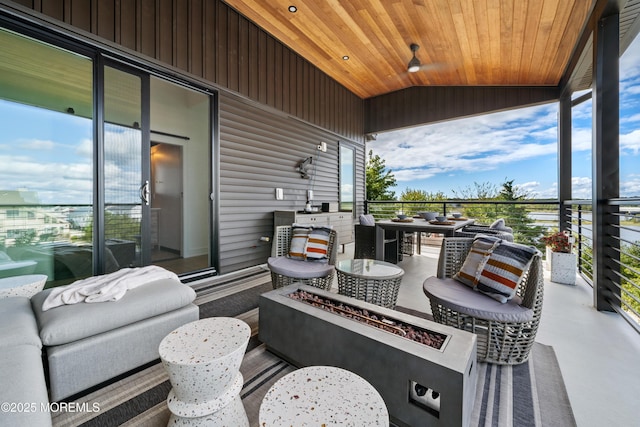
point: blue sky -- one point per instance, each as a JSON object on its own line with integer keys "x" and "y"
{"x": 51, "y": 154}
{"x": 519, "y": 145}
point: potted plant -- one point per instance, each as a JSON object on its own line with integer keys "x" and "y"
{"x": 560, "y": 260}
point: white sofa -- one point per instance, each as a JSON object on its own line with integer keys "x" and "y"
{"x": 84, "y": 344}
{"x": 24, "y": 390}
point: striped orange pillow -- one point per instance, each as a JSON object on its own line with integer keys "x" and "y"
{"x": 475, "y": 260}
{"x": 318, "y": 244}
{"x": 504, "y": 270}
{"x": 299, "y": 238}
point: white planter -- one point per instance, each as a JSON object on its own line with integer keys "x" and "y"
{"x": 562, "y": 266}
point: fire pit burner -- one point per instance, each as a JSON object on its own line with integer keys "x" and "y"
{"x": 385, "y": 323}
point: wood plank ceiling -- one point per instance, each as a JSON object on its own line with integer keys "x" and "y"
{"x": 462, "y": 42}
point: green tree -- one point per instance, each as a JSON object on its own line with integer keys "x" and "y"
{"x": 420, "y": 197}
{"x": 477, "y": 191}
{"x": 484, "y": 191}
{"x": 379, "y": 179}
{"x": 517, "y": 215}
{"x": 630, "y": 270}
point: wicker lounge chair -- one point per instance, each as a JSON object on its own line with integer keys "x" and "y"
{"x": 285, "y": 271}
{"x": 505, "y": 332}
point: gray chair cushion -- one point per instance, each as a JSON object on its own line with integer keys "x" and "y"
{"x": 499, "y": 225}
{"x": 367, "y": 219}
{"x": 70, "y": 323}
{"x": 453, "y": 294}
{"x": 299, "y": 269}
{"x": 18, "y": 325}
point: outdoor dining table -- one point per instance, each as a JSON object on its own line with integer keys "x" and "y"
{"x": 418, "y": 225}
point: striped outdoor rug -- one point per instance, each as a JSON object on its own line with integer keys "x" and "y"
{"x": 531, "y": 394}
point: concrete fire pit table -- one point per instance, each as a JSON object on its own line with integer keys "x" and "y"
{"x": 394, "y": 365}
{"x": 322, "y": 396}
{"x": 202, "y": 359}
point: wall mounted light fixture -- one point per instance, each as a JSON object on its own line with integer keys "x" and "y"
{"x": 303, "y": 167}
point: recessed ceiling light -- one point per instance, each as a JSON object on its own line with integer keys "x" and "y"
{"x": 293, "y": 9}
{"x": 346, "y": 57}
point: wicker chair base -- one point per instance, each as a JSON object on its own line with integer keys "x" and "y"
{"x": 498, "y": 342}
{"x": 382, "y": 292}
{"x": 503, "y": 343}
{"x": 279, "y": 281}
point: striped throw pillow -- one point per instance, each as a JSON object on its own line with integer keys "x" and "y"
{"x": 476, "y": 259}
{"x": 504, "y": 270}
{"x": 299, "y": 238}
{"x": 318, "y": 244}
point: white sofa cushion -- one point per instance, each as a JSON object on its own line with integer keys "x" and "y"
{"x": 23, "y": 383}
{"x": 70, "y": 323}
{"x": 18, "y": 325}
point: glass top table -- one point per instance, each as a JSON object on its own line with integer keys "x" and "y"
{"x": 373, "y": 281}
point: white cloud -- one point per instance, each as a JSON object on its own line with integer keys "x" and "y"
{"x": 85, "y": 148}
{"x": 630, "y": 141}
{"x": 414, "y": 174}
{"x": 581, "y": 139}
{"x": 632, "y": 119}
{"x": 473, "y": 144}
{"x": 545, "y": 193}
{"x": 37, "y": 145}
{"x": 581, "y": 187}
{"x": 54, "y": 182}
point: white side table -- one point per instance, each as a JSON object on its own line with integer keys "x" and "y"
{"x": 22, "y": 286}
{"x": 202, "y": 359}
{"x": 322, "y": 396}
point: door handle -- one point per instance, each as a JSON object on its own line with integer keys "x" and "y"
{"x": 145, "y": 193}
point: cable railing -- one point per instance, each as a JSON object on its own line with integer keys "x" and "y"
{"x": 623, "y": 257}
{"x": 626, "y": 281}
{"x": 580, "y": 224}
{"x": 530, "y": 219}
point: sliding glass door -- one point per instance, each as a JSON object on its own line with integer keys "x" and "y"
{"x": 126, "y": 189}
{"x": 77, "y": 192}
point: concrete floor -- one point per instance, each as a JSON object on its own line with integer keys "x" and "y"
{"x": 598, "y": 352}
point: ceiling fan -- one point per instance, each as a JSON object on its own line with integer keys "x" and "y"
{"x": 415, "y": 65}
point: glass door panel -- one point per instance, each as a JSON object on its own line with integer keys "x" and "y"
{"x": 46, "y": 153}
{"x": 125, "y": 186}
{"x": 180, "y": 177}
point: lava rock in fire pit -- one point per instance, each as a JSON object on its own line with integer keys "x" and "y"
{"x": 422, "y": 336}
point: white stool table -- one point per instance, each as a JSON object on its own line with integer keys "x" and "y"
{"x": 202, "y": 359}
{"x": 22, "y": 286}
{"x": 322, "y": 396}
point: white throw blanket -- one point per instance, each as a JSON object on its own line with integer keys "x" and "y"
{"x": 109, "y": 287}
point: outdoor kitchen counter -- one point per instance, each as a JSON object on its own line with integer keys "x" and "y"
{"x": 322, "y": 395}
